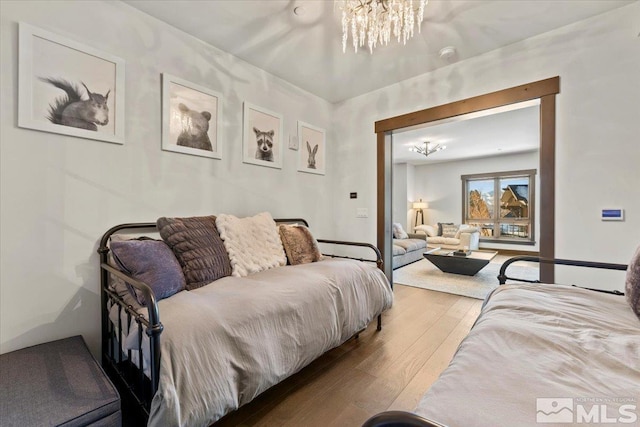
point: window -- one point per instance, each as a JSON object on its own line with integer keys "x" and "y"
{"x": 501, "y": 205}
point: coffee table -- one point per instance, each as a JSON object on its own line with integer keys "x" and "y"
{"x": 449, "y": 263}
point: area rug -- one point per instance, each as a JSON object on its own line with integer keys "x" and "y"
{"x": 423, "y": 274}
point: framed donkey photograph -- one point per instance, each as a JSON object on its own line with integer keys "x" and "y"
{"x": 69, "y": 88}
{"x": 312, "y": 152}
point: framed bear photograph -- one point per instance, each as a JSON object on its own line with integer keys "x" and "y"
{"x": 312, "y": 151}
{"x": 262, "y": 137}
{"x": 191, "y": 118}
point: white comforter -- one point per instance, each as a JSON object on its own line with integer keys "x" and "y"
{"x": 225, "y": 343}
{"x": 535, "y": 347}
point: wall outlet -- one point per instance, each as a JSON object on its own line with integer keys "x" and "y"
{"x": 362, "y": 213}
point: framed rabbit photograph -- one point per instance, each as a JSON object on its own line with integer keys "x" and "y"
{"x": 312, "y": 151}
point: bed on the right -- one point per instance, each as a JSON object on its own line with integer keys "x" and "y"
{"x": 541, "y": 354}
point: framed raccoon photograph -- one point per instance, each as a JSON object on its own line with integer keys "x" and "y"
{"x": 262, "y": 137}
{"x": 191, "y": 118}
{"x": 312, "y": 151}
{"x": 69, "y": 88}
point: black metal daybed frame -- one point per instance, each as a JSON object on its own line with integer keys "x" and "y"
{"x": 409, "y": 419}
{"x": 138, "y": 389}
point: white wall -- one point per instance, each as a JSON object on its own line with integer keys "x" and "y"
{"x": 440, "y": 185}
{"x": 399, "y": 201}
{"x": 60, "y": 193}
{"x": 597, "y": 131}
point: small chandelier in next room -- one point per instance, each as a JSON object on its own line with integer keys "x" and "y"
{"x": 376, "y": 20}
{"x": 427, "y": 148}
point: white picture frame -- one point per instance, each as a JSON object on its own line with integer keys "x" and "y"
{"x": 191, "y": 118}
{"x": 262, "y": 127}
{"x": 69, "y": 88}
{"x": 313, "y": 147}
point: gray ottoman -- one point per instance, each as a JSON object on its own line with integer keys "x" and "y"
{"x": 56, "y": 384}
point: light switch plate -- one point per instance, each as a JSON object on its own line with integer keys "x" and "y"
{"x": 362, "y": 213}
{"x": 293, "y": 142}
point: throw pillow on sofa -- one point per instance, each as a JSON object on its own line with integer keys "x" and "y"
{"x": 398, "y": 231}
{"x": 149, "y": 261}
{"x": 632, "y": 283}
{"x": 253, "y": 243}
{"x": 440, "y": 225}
{"x": 449, "y": 230}
{"x": 429, "y": 230}
{"x": 299, "y": 244}
{"x": 198, "y": 247}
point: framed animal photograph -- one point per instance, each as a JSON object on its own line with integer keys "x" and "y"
{"x": 262, "y": 137}
{"x": 191, "y": 118}
{"x": 69, "y": 88}
{"x": 312, "y": 152}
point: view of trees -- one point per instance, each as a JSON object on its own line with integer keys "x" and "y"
{"x": 478, "y": 208}
{"x": 500, "y": 205}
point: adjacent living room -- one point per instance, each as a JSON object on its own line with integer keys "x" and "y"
{"x": 465, "y": 190}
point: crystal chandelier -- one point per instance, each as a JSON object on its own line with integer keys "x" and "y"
{"x": 427, "y": 148}
{"x": 376, "y": 20}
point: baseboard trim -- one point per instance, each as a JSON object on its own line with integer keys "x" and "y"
{"x": 513, "y": 252}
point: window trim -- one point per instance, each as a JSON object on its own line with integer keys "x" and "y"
{"x": 496, "y": 176}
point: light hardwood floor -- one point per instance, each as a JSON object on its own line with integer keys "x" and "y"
{"x": 379, "y": 371}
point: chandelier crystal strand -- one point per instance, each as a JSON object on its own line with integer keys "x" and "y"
{"x": 375, "y": 21}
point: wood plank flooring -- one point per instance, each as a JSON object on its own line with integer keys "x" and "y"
{"x": 386, "y": 370}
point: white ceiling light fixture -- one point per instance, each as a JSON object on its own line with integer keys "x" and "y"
{"x": 376, "y": 20}
{"x": 427, "y": 148}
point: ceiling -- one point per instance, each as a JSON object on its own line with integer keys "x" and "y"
{"x": 495, "y": 132}
{"x": 306, "y": 49}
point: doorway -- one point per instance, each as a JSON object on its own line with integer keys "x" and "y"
{"x": 544, "y": 91}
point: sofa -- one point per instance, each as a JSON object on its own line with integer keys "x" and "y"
{"x": 408, "y": 250}
{"x": 222, "y": 308}
{"x": 541, "y": 353}
{"x": 459, "y": 236}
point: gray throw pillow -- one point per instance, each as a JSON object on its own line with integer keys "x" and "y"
{"x": 632, "y": 284}
{"x": 152, "y": 262}
{"x": 440, "y": 224}
{"x": 198, "y": 247}
{"x": 449, "y": 230}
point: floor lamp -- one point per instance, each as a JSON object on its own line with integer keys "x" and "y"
{"x": 419, "y": 206}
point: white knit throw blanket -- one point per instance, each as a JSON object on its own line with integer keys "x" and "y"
{"x": 253, "y": 243}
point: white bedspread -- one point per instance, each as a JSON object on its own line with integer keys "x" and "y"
{"x": 558, "y": 343}
{"x": 225, "y": 343}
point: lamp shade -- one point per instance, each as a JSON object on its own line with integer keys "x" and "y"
{"x": 420, "y": 205}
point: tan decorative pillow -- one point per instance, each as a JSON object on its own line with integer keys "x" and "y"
{"x": 299, "y": 244}
{"x": 449, "y": 230}
{"x": 632, "y": 284}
